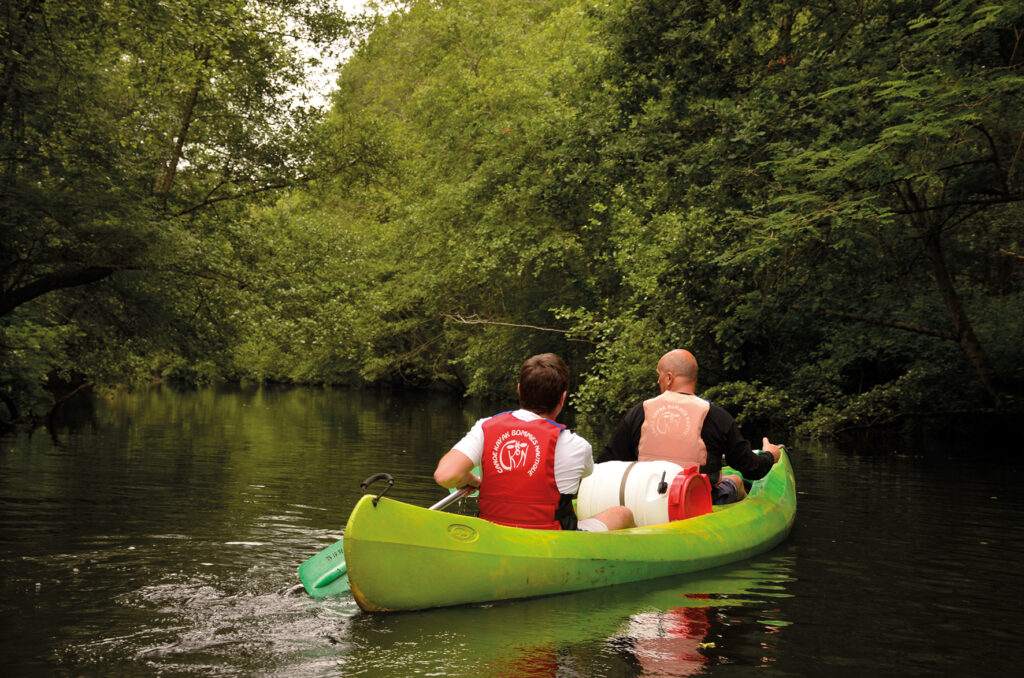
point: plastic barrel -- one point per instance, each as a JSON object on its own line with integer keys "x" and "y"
{"x": 656, "y": 491}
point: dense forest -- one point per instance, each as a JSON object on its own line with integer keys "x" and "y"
{"x": 823, "y": 201}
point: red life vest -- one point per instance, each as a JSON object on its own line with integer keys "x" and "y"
{"x": 671, "y": 429}
{"x": 518, "y": 487}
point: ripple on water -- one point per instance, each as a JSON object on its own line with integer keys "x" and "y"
{"x": 196, "y": 625}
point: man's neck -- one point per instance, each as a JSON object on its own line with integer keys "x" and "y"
{"x": 685, "y": 387}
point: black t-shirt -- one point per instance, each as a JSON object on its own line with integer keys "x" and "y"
{"x": 720, "y": 434}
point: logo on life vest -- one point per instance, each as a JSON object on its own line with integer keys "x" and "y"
{"x": 671, "y": 419}
{"x": 513, "y": 449}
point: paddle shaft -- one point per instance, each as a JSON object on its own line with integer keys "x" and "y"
{"x": 454, "y": 496}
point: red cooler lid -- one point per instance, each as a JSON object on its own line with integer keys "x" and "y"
{"x": 689, "y": 495}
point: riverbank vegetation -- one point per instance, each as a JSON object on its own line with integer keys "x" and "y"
{"x": 824, "y": 203}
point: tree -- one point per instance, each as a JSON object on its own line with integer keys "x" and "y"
{"x": 812, "y": 188}
{"x": 928, "y": 147}
{"x": 131, "y": 133}
{"x": 735, "y": 177}
{"x": 480, "y": 229}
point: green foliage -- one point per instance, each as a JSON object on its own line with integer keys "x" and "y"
{"x": 30, "y": 353}
{"x": 475, "y": 224}
{"x": 301, "y": 310}
{"x": 822, "y": 202}
{"x": 131, "y": 135}
{"x": 852, "y": 189}
{"x": 806, "y": 197}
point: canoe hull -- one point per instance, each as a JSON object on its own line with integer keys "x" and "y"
{"x": 402, "y": 557}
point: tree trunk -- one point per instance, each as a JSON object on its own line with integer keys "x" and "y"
{"x": 931, "y": 237}
{"x": 163, "y": 185}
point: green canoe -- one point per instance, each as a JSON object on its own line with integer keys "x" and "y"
{"x": 403, "y": 557}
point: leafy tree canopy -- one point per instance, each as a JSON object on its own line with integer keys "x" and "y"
{"x": 823, "y": 202}
{"x": 134, "y": 137}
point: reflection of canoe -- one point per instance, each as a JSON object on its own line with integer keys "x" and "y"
{"x": 402, "y": 557}
{"x": 493, "y": 638}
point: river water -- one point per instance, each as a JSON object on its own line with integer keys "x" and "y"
{"x": 158, "y": 533}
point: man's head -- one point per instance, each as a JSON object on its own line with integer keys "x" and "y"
{"x": 543, "y": 382}
{"x": 677, "y": 371}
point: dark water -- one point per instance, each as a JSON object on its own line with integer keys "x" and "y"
{"x": 156, "y": 537}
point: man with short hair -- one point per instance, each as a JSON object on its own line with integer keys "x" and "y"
{"x": 531, "y": 465}
{"x": 678, "y": 426}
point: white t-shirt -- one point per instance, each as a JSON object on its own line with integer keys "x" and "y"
{"x": 574, "y": 458}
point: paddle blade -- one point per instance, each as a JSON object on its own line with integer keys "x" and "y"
{"x": 325, "y": 573}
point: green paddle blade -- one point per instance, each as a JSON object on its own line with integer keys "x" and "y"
{"x": 325, "y": 573}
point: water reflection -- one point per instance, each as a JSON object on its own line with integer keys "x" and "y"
{"x": 585, "y": 630}
{"x": 669, "y": 643}
{"x": 157, "y": 536}
{"x": 703, "y": 631}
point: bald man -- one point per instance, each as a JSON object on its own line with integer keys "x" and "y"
{"x": 678, "y": 426}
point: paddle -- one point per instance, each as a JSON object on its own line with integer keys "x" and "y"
{"x": 325, "y": 573}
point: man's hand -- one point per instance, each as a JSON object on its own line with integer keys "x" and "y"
{"x": 455, "y": 470}
{"x": 768, "y": 446}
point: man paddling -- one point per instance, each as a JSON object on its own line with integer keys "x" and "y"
{"x": 531, "y": 465}
{"x": 678, "y": 426}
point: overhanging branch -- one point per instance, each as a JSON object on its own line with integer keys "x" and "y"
{"x": 54, "y": 281}
{"x": 477, "y": 320}
{"x": 1001, "y": 200}
{"x": 87, "y": 275}
{"x": 235, "y": 196}
{"x": 942, "y": 334}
